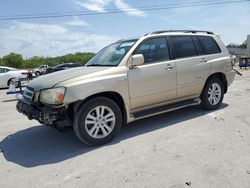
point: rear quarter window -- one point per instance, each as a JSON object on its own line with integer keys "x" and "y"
{"x": 209, "y": 45}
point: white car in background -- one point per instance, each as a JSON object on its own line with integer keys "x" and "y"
{"x": 7, "y": 74}
{"x": 40, "y": 70}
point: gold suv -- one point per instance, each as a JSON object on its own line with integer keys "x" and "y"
{"x": 129, "y": 80}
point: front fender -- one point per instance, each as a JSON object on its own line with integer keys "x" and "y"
{"x": 85, "y": 88}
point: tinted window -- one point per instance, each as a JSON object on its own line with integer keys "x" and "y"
{"x": 59, "y": 66}
{"x": 198, "y": 46}
{"x": 209, "y": 45}
{"x": 183, "y": 46}
{"x": 2, "y": 70}
{"x": 154, "y": 50}
{"x": 67, "y": 65}
{"x": 75, "y": 65}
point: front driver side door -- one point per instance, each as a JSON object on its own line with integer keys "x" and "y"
{"x": 154, "y": 82}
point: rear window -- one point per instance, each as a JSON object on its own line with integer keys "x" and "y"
{"x": 209, "y": 45}
{"x": 74, "y": 65}
{"x": 183, "y": 46}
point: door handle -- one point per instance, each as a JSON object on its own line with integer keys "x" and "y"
{"x": 204, "y": 60}
{"x": 169, "y": 66}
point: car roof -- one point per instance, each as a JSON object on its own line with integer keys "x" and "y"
{"x": 180, "y": 31}
{"x": 67, "y": 63}
{"x": 5, "y": 67}
{"x": 170, "y": 32}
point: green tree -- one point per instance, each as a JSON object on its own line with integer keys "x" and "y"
{"x": 1, "y": 61}
{"x": 243, "y": 45}
{"x": 233, "y": 45}
{"x": 13, "y": 60}
{"x": 17, "y": 61}
{"x": 34, "y": 62}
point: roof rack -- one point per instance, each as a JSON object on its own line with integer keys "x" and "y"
{"x": 183, "y": 31}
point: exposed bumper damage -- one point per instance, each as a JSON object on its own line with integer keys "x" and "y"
{"x": 53, "y": 116}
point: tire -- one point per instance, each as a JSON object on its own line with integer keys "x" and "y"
{"x": 93, "y": 129}
{"x": 37, "y": 73}
{"x": 12, "y": 80}
{"x": 212, "y": 94}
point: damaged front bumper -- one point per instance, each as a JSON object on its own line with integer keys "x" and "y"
{"x": 42, "y": 113}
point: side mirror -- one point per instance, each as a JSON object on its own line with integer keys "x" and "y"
{"x": 137, "y": 60}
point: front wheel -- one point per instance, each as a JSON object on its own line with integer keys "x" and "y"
{"x": 97, "y": 121}
{"x": 212, "y": 94}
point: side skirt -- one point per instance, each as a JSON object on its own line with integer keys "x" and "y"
{"x": 165, "y": 108}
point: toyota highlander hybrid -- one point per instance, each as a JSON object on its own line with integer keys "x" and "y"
{"x": 129, "y": 80}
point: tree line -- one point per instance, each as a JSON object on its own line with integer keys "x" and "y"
{"x": 17, "y": 61}
{"x": 233, "y": 45}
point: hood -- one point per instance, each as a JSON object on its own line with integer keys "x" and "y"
{"x": 52, "y": 79}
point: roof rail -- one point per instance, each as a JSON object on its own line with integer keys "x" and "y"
{"x": 184, "y": 31}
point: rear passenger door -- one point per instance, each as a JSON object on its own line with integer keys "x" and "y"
{"x": 191, "y": 65}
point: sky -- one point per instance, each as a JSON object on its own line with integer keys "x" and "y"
{"x": 59, "y": 36}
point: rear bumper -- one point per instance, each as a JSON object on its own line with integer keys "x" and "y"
{"x": 44, "y": 114}
{"x": 230, "y": 77}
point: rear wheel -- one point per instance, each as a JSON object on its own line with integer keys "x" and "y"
{"x": 97, "y": 121}
{"x": 212, "y": 94}
{"x": 13, "y": 82}
{"x": 37, "y": 73}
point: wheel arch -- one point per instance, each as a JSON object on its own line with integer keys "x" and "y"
{"x": 220, "y": 76}
{"x": 9, "y": 80}
{"x": 116, "y": 97}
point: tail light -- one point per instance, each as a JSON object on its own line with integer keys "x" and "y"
{"x": 233, "y": 61}
{"x": 27, "y": 73}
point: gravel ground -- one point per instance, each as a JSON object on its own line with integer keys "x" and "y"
{"x": 184, "y": 148}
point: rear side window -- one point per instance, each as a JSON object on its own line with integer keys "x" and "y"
{"x": 209, "y": 45}
{"x": 198, "y": 46}
{"x": 154, "y": 50}
{"x": 74, "y": 65}
{"x": 183, "y": 46}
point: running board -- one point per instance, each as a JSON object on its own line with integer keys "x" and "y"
{"x": 166, "y": 108}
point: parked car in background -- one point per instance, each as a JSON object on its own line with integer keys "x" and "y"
{"x": 63, "y": 66}
{"x": 40, "y": 70}
{"x": 7, "y": 74}
{"x": 244, "y": 62}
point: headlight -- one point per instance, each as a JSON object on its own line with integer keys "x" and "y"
{"x": 52, "y": 96}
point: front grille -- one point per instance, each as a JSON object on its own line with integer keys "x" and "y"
{"x": 28, "y": 94}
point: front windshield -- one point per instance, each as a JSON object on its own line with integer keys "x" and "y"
{"x": 112, "y": 54}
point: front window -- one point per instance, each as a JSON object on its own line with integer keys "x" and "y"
{"x": 154, "y": 50}
{"x": 112, "y": 54}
